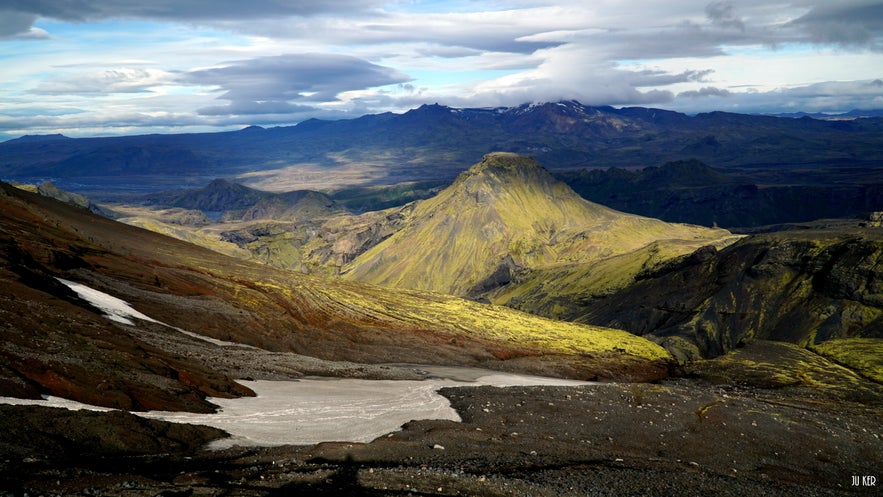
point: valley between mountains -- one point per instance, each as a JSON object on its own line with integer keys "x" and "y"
{"x": 727, "y": 363}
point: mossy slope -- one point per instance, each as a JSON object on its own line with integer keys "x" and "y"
{"x": 55, "y": 343}
{"x": 777, "y": 365}
{"x": 802, "y": 287}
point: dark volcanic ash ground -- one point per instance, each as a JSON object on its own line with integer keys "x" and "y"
{"x": 679, "y": 438}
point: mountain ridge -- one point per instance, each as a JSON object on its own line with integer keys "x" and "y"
{"x": 805, "y": 286}
{"x": 433, "y": 143}
{"x": 692, "y": 192}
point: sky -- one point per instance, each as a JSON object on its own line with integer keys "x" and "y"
{"x": 113, "y": 67}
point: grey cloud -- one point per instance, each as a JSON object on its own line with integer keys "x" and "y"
{"x": 707, "y": 91}
{"x": 853, "y": 23}
{"x": 181, "y": 9}
{"x": 281, "y": 83}
{"x": 851, "y": 89}
{"x": 610, "y": 87}
{"x": 722, "y": 13}
{"x": 264, "y": 108}
{"x": 832, "y": 96}
{"x": 684, "y": 40}
{"x": 25, "y": 12}
{"x": 660, "y": 78}
{"x": 447, "y": 52}
{"x": 13, "y": 22}
{"x": 119, "y": 80}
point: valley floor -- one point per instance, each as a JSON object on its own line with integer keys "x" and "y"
{"x": 681, "y": 437}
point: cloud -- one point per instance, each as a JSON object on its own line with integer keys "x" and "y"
{"x": 17, "y": 17}
{"x": 178, "y": 10}
{"x": 818, "y": 97}
{"x": 282, "y": 84}
{"x": 723, "y": 13}
{"x": 229, "y": 62}
{"x": 15, "y": 23}
{"x": 847, "y": 23}
{"x": 100, "y": 83}
{"x": 263, "y": 108}
{"x": 707, "y": 91}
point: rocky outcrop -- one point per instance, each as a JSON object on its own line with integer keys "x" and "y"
{"x": 802, "y": 287}
{"x": 36, "y": 433}
{"x": 875, "y": 219}
{"x": 316, "y": 245}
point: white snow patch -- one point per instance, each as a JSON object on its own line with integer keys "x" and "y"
{"x": 50, "y": 401}
{"x": 115, "y": 309}
{"x": 314, "y": 410}
{"x": 120, "y": 311}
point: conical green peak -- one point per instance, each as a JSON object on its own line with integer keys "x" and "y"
{"x": 504, "y": 215}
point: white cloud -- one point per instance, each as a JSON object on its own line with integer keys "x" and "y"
{"x": 117, "y": 80}
{"x": 271, "y": 61}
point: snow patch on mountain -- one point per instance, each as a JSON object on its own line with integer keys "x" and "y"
{"x": 120, "y": 311}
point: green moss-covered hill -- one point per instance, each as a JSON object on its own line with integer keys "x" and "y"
{"x": 507, "y": 217}
{"x": 52, "y": 342}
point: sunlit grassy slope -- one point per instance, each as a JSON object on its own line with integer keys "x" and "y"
{"x": 208, "y": 293}
{"x": 508, "y": 210}
{"x": 187, "y": 234}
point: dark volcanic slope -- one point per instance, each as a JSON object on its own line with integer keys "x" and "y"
{"x": 801, "y": 286}
{"x": 53, "y": 342}
{"x": 598, "y": 440}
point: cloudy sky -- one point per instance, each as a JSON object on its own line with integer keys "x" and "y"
{"x": 106, "y": 67}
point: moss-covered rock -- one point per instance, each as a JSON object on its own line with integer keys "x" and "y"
{"x": 863, "y": 355}
{"x": 802, "y": 287}
{"x": 777, "y": 365}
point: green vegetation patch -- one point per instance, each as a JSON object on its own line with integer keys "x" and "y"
{"x": 490, "y": 322}
{"x": 864, "y": 355}
{"x": 780, "y": 365}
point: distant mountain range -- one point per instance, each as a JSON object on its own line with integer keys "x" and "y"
{"x": 435, "y": 142}
{"x": 854, "y": 113}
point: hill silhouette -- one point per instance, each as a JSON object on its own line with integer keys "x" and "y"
{"x": 229, "y": 200}
{"x": 692, "y": 192}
